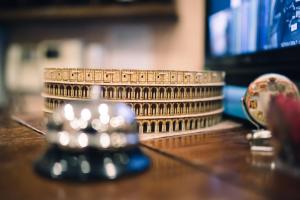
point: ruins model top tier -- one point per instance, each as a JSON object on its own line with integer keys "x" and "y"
{"x": 133, "y": 77}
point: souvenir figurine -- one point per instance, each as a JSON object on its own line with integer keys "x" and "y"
{"x": 256, "y": 103}
{"x": 164, "y": 101}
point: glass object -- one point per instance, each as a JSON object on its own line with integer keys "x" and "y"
{"x": 90, "y": 141}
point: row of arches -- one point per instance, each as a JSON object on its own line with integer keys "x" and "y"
{"x": 158, "y": 109}
{"x": 52, "y": 104}
{"x": 126, "y": 92}
{"x": 167, "y": 109}
{"x": 175, "y": 125}
{"x": 122, "y": 92}
{"x": 160, "y": 126}
{"x": 77, "y": 91}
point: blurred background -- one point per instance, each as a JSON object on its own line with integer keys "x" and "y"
{"x": 138, "y": 34}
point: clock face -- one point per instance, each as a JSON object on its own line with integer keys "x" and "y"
{"x": 259, "y": 92}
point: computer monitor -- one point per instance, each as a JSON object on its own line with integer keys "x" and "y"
{"x": 247, "y": 38}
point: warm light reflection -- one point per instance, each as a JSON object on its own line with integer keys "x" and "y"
{"x": 96, "y": 124}
{"x": 122, "y": 139}
{"x": 273, "y": 166}
{"x": 104, "y": 140}
{"x": 75, "y": 124}
{"x": 104, "y": 119}
{"x": 85, "y": 114}
{"x": 85, "y": 167}
{"x": 117, "y": 121}
{"x": 108, "y": 128}
{"x": 64, "y": 138}
{"x": 83, "y": 140}
{"x": 69, "y": 112}
{"x": 114, "y": 139}
{"x": 103, "y": 109}
{"x": 57, "y": 169}
{"x": 110, "y": 168}
{"x": 83, "y": 124}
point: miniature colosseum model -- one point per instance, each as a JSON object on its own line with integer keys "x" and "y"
{"x": 163, "y": 101}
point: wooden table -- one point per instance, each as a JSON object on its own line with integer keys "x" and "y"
{"x": 207, "y": 166}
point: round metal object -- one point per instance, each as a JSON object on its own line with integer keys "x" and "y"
{"x": 257, "y": 97}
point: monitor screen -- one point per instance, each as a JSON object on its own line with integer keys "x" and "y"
{"x": 238, "y": 27}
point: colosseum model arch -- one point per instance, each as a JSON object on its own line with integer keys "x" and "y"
{"x": 163, "y": 101}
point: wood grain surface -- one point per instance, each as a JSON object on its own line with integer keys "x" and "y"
{"x": 206, "y": 167}
{"x": 227, "y": 156}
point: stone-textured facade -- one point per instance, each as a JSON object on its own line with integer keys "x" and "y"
{"x": 164, "y": 101}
